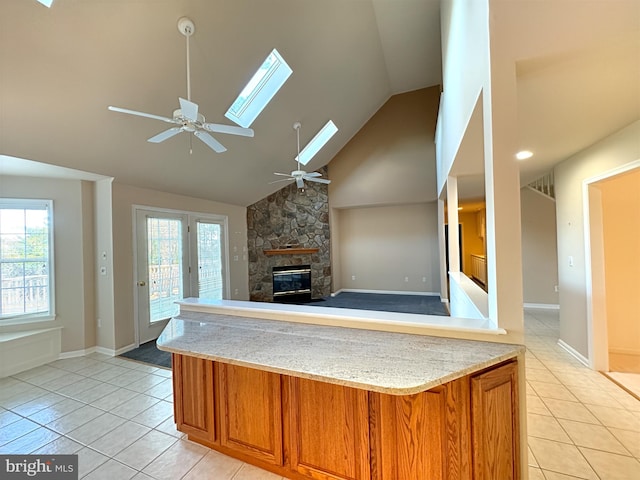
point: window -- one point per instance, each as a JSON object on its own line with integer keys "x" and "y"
{"x": 26, "y": 264}
{"x": 262, "y": 87}
{"x": 317, "y": 142}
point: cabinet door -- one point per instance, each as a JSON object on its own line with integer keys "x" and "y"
{"x": 251, "y": 412}
{"x": 329, "y": 430}
{"x": 193, "y": 398}
{"x": 494, "y": 424}
{"x": 423, "y": 436}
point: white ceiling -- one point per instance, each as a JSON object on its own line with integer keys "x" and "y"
{"x": 577, "y": 66}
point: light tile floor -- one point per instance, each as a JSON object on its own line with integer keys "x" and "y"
{"x": 117, "y": 415}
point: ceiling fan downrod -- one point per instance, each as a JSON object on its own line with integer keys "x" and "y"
{"x": 186, "y": 27}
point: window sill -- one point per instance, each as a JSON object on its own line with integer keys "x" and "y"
{"x": 28, "y": 323}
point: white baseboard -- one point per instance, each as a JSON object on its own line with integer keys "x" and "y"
{"x": 126, "y": 349}
{"x": 385, "y": 292}
{"x": 104, "y": 351}
{"x": 542, "y": 306}
{"x": 574, "y": 353}
{"x": 77, "y": 353}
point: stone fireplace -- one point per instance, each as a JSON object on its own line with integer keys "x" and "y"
{"x": 289, "y": 228}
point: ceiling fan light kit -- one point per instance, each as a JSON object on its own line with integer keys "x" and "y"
{"x": 299, "y": 176}
{"x": 187, "y": 118}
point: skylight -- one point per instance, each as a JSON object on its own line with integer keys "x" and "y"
{"x": 264, "y": 84}
{"x": 46, "y": 3}
{"x": 317, "y": 142}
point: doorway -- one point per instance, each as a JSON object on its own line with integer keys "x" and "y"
{"x": 613, "y": 232}
{"x": 178, "y": 255}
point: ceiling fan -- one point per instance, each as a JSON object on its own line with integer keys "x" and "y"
{"x": 300, "y": 175}
{"x": 187, "y": 118}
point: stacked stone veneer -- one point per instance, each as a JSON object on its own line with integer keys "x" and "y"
{"x": 294, "y": 217}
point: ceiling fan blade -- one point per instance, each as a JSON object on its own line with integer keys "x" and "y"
{"x": 230, "y": 129}
{"x": 141, "y": 114}
{"x": 162, "y": 136}
{"x": 189, "y": 109}
{"x": 317, "y": 180}
{"x": 313, "y": 174}
{"x": 299, "y": 182}
{"x": 282, "y": 180}
{"x": 283, "y": 174}
{"x": 215, "y": 145}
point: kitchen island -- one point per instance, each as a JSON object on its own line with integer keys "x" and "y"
{"x": 327, "y": 402}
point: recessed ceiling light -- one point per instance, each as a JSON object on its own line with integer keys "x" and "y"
{"x": 524, "y": 154}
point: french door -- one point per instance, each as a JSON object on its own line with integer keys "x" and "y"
{"x": 178, "y": 255}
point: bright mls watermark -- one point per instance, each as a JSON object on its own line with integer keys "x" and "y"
{"x": 50, "y": 467}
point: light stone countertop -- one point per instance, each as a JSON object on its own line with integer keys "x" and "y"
{"x": 386, "y": 362}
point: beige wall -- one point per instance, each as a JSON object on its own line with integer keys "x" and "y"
{"x": 73, "y": 249}
{"x": 124, "y": 197}
{"x": 391, "y": 160}
{"x": 381, "y": 246}
{"x": 539, "y": 248}
{"x": 621, "y": 234}
{"x": 613, "y": 152}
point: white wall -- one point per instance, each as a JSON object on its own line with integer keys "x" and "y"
{"x": 466, "y": 52}
{"x": 105, "y": 303}
{"x": 539, "y": 249}
{"x": 124, "y": 197}
{"x": 475, "y": 74}
{"x": 381, "y": 246}
{"x": 73, "y": 247}
{"x": 612, "y": 152}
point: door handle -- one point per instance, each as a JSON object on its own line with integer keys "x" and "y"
{"x": 142, "y": 283}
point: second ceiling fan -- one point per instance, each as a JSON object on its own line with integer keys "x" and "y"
{"x": 300, "y": 175}
{"x": 187, "y": 118}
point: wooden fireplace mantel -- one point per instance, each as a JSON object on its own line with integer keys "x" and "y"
{"x": 290, "y": 251}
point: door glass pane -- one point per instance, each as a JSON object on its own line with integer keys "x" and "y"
{"x": 209, "y": 261}
{"x": 165, "y": 267}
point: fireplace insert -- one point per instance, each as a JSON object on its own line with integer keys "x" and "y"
{"x": 292, "y": 283}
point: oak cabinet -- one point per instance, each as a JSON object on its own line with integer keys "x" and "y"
{"x": 424, "y": 436}
{"x": 329, "y": 430}
{"x": 193, "y": 397}
{"x": 251, "y": 412}
{"x": 494, "y": 423}
{"x": 466, "y": 429}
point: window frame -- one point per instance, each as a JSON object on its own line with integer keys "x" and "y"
{"x": 35, "y": 204}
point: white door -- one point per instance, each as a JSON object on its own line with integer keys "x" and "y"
{"x": 162, "y": 269}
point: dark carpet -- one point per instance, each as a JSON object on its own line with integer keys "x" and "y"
{"x": 149, "y": 353}
{"x": 420, "y": 304}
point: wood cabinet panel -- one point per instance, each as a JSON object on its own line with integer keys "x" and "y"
{"x": 329, "y": 430}
{"x": 251, "y": 412}
{"x": 494, "y": 420}
{"x": 194, "y": 397}
{"x": 422, "y": 436}
{"x": 467, "y": 429}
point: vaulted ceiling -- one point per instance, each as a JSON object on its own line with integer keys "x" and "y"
{"x": 577, "y": 68}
